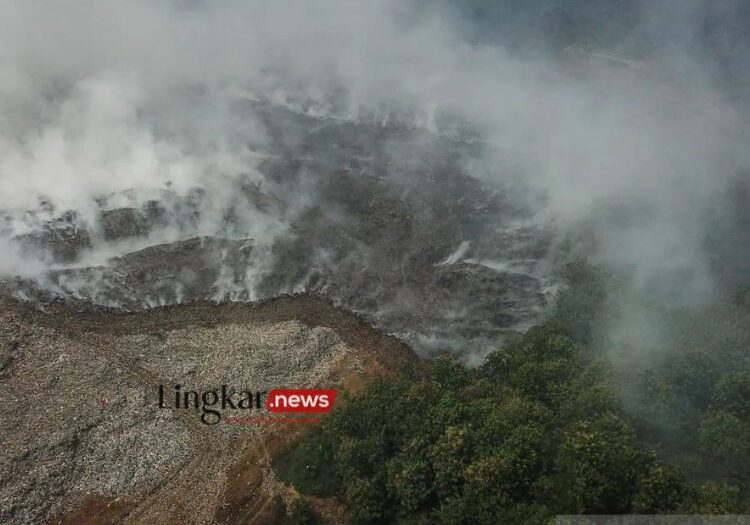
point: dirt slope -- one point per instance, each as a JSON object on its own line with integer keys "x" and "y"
{"x": 84, "y": 439}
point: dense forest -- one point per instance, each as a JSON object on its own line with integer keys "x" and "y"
{"x": 551, "y": 423}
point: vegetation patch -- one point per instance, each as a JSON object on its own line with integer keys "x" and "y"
{"x": 539, "y": 429}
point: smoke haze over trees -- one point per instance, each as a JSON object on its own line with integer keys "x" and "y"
{"x": 443, "y": 169}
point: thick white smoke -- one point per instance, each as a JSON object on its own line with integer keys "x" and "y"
{"x": 102, "y": 96}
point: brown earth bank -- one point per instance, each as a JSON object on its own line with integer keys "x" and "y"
{"x": 84, "y": 439}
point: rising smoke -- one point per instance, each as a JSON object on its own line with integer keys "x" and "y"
{"x": 627, "y": 148}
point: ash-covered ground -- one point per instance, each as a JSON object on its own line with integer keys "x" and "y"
{"x": 382, "y": 217}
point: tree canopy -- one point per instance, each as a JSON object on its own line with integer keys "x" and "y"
{"x": 537, "y": 430}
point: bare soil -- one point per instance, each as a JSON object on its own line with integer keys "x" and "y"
{"x": 85, "y": 441}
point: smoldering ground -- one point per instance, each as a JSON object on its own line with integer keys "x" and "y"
{"x": 400, "y": 158}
